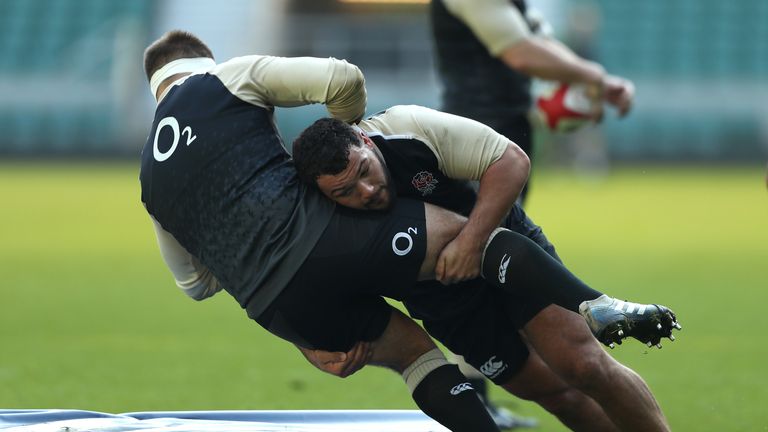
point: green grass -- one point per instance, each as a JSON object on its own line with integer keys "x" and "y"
{"x": 90, "y": 317}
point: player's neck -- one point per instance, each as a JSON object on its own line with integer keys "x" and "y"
{"x": 166, "y": 83}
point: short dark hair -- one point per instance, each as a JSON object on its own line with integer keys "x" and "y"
{"x": 323, "y": 149}
{"x": 174, "y": 45}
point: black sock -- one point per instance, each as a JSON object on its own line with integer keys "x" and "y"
{"x": 446, "y": 396}
{"x": 480, "y": 386}
{"x": 517, "y": 264}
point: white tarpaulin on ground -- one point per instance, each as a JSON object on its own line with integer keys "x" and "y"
{"x": 216, "y": 421}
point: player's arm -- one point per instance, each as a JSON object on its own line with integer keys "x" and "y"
{"x": 339, "y": 364}
{"x": 505, "y": 33}
{"x": 190, "y": 275}
{"x": 289, "y": 82}
{"x": 500, "y": 186}
{"x": 549, "y": 59}
{"x": 469, "y": 150}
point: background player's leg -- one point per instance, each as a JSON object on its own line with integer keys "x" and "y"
{"x": 438, "y": 388}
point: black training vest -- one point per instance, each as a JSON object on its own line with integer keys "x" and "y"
{"x": 475, "y": 84}
{"x": 215, "y": 175}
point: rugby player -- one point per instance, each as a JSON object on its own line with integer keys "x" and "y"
{"x": 415, "y": 152}
{"x": 230, "y": 214}
{"x": 487, "y": 52}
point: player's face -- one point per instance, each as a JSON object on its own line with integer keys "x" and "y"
{"x": 363, "y": 184}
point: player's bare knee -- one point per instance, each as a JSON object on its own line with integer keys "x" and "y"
{"x": 411, "y": 356}
{"x": 559, "y": 402}
{"x": 422, "y": 366}
{"x": 586, "y": 371}
{"x": 402, "y": 343}
{"x": 405, "y": 358}
{"x": 554, "y": 399}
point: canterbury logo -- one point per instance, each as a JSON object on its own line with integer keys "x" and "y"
{"x": 491, "y": 368}
{"x": 503, "y": 268}
{"x": 461, "y": 388}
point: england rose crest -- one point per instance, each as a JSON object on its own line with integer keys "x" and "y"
{"x": 424, "y": 182}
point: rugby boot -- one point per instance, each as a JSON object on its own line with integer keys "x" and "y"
{"x": 612, "y": 320}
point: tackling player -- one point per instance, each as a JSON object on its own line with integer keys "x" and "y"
{"x": 415, "y": 152}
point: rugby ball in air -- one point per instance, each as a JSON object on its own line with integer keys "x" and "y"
{"x": 562, "y": 107}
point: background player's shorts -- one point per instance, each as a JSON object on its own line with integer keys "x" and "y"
{"x": 335, "y": 298}
{"x": 480, "y": 321}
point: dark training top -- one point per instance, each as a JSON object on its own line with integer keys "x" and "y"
{"x": 215, "y": 175}
{"x": 476, "y": 84}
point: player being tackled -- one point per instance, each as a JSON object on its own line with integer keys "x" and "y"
{"x": 612, "y": 320}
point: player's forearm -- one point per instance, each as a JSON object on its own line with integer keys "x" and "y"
{"x": 295, "y": 81}
{"x": 203, "y": 285}
{"x": 500, "y": 187}
{"x": 347, "y": 96}
{"x": 191, "y": 276}
{"x": 549, "y": 60}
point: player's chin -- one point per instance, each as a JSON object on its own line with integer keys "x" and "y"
{"x": 381, "y": 203}
{"x": 379, "y": 206}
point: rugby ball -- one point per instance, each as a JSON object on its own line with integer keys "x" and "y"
{"x": 562, "y": 107}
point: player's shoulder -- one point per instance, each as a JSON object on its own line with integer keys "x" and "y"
{"x": 404, "y": 114}
{"x": 243, "y": 62}
{"x": 399, "y": 119}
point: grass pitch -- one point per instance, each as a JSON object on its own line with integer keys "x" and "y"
{"x": 90, "y": 317}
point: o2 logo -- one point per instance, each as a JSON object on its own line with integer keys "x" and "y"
{"x": 172, "y": 123}
{"x": 403, "y": 237}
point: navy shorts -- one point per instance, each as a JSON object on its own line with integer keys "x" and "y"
{"x": 479, "y": 321}
{"x": 335, "y": 298}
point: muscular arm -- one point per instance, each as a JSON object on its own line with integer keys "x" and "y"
{"x": 500, "y": 186}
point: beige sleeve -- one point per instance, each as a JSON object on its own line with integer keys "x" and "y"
{"x": 497, "y": 23}
{"x": 190, "y": 275}
{"x": 289, "y": 82}
{"x": 464, "y": 148}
